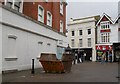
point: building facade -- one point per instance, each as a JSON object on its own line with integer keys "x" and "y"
{"x": 81, "y": 35}
{"x": 107, "y": 34}
{"x": 24, "y": 38}
{"x": 49, "y": 13}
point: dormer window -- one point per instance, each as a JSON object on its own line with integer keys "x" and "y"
{"x": 49, "y": 18}
{"x": 40, "y": 14}
{"x": 105, "y": 25}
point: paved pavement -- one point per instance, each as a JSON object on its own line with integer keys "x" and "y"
{"x": 82, "y": 72}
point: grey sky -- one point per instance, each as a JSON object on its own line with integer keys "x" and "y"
{"x": 80, "y": 8}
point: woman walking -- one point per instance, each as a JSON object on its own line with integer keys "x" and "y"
{"x": 103, "y": 58}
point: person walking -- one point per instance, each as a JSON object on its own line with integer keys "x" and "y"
{"x": 110, "y": 56}
{"x": 103, "y": 58}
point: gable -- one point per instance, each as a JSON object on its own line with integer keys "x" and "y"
{"x": 104, "y": 17}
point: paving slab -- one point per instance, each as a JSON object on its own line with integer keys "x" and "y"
{"x": 81, "y": 72}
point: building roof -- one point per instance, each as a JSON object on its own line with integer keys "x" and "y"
{"x": 84, "y": 20}
{"x": 118, "y": 17}
{"x": 107, "y": 16}
{"x": 96, "y": 17}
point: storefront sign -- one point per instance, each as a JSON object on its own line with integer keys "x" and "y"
{"x": 106, "y": 30}
{"x": 104, "y": 47}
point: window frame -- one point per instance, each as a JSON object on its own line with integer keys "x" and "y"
{"x": 61, "y": 26}
{"x": 80, "y": 42}
{"x": 89, "y": 31}
{"x": 89, "y": 42}
{"x": 61, "y": 7}
{"x": 72, "y": 43}
{"x": 40, "y": 8}
{"x": 50, "y": 20}
{"x": 72, "y": 33}
{"x": 104, "y": 25}
{"x": 105, "y": 37}
{"x": 80, "y": 32}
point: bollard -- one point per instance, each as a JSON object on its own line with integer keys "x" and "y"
{"x": 33, "y": 70}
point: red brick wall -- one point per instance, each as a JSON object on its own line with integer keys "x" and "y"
{"x": 31, "y": 9}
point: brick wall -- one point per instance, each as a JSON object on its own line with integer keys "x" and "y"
{"x": 31, "y": 9}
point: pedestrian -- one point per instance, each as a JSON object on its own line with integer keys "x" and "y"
{"x": 103, "y": 58}
{"x": 82, "y": 58}
{"x": 110, "y": 56}
{"x": 76, "y": 57}
{"x": 79, "y": 56}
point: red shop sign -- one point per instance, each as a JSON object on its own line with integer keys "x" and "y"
{"x": 106, "y": 30}
{"x": 104, "y": 47}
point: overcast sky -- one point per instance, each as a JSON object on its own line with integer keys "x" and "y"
{"x": 85, "y": 8}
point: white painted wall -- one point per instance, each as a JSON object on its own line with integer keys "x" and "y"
{"x": 118, "y": 7}
{"x": 14, "y": 19}
{"x": 26, "y": 48}
{"x": 113, "y": 34}
{"x": 83, "y": 25}
{"x": 28, "y": 35}
{"x": 0, "y": 46}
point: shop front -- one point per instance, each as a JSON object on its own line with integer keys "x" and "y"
{"x": 116, "y": 49}
{"x": 107, "y": 49}
{"x": 84, "y": 53}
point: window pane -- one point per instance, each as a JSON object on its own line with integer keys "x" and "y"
{"x": 49, "y": 19}
{"x": 80, "y": 32}
{"x": 80, "y": 42}
{"x": 72, "y": 42}
{"x": 105, "y": 25}
{"x": 40, "y": 14}
{"x": 61, "y": 26}
{"x": 89, "y": 31}
{"x": 9, "y": 4}
{"x": 72, "y": 33}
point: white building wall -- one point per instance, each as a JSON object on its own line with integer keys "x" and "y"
{"x": 98, "y": 34}
{"x": 27, "y": 48}
{"x": 114, "y": 33}
{"x": 0, "y": 43}
{"x": 118, "y": 7}
{"x": 0, "y": 53}
{"x": 16, "y": 20}
{"x": 83, "y": 27}
{"x": 28, "y": 35}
